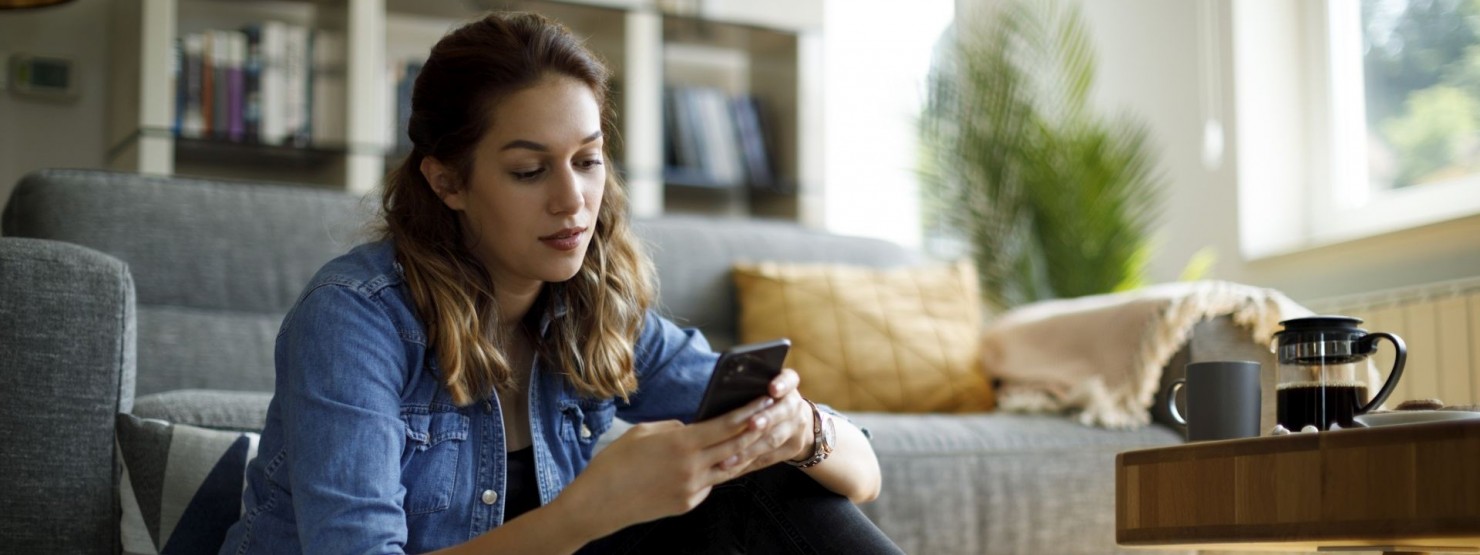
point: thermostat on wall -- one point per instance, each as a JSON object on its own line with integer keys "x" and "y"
{"x": 42, "y": 77}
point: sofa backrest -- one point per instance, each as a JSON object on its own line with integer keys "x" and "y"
{"x": 694, "y": 255}
{"x": 217, "y": 264}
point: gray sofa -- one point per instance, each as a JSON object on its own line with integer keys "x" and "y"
{"x": 162, "y": 296}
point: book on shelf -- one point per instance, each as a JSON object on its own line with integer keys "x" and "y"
{"x": 715, "y": 139}
{"x": 189, "y": 87}
{"x": 268, "y": 82}
{"x": 327, "y": 124}
{"x": 681, "y": 133}
{"x": 252, "y": 85}
{"x": 402, "y": 80}
{"x": 207, "y": 86}
{"x": 752, "y": 135}
{"x": 268, "y": 101}
{"x": 722, "y": 151}
{"x": 221, "y": 74}
{"x": 295, "y": 71}
{"x": 232, "y": 48}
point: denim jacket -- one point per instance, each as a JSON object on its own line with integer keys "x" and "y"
{"x": 364, "y": 452}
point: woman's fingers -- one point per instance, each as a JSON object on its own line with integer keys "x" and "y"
{"x": 785, "y": 383}
{"x": 759, "y": 434}
{"x": 722, "y": 437}
{"x": 785, "y": 425}
{"x": 787, "y": 439}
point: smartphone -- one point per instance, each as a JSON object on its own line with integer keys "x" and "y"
{"x": 741, "y": 375}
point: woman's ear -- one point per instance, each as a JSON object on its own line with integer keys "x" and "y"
{"x": 442, "y": 182}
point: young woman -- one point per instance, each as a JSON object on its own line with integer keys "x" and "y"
{"x": 444, "y": 388}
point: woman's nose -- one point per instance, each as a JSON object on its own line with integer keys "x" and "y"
{"x": 566, "y": 196}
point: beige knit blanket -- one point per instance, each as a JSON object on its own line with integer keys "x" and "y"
{"x": 1101, "y": 356}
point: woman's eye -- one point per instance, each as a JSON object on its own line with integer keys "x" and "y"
{"x": 527, "y": 176}
{"x": 589, "y": 164}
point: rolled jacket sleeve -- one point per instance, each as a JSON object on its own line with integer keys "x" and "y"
{"x": 340, "y": 373}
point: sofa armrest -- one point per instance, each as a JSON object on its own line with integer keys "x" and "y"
{"x": 67, "y": 362}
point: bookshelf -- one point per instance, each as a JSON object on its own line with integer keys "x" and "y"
{"x": 764, "y": 54}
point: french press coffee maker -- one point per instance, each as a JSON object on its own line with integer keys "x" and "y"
{"x": 1323, "y": 362}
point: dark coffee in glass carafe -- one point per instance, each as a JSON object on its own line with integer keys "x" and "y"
{"x": 1323, "y": 364}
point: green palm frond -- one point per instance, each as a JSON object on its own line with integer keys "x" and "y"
{"x": 1054, "y": 200}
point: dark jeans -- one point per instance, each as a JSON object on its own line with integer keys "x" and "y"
{"x": 776, "y": 510}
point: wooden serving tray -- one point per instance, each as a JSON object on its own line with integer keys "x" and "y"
{"x": 1413, "y": 487}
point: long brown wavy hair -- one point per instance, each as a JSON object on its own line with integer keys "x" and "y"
{"x": 469, "y": 72}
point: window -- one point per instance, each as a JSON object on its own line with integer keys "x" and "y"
{"x": 1384, "y": 109}
{"x": 1406, "y": 114}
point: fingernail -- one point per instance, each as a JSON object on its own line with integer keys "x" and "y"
{"x": 732, "y": 461}
{"x": 760, "y": 421}
{"x": 768, "y": 402}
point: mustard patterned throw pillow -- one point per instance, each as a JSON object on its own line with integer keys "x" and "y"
{"x": 872, "y": 339}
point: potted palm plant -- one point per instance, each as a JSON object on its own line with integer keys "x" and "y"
{"x": 1051, "y": 198}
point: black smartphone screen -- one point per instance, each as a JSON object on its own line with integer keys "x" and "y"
{"x": 740, "y": 376}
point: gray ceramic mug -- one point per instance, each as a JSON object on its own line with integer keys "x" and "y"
{"x": 1222, "y": 400}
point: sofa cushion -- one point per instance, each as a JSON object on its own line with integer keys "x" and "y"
{"x": 181, "y": 487}
{"x": 869, "y": 339}
{"x": 220, "y": 410}
{"x": 215, "y": 264}
{"x": 191, "y": 348}
{"x": 999, "y": 482}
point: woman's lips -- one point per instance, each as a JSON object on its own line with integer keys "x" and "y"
{"x": 565, "y": 239}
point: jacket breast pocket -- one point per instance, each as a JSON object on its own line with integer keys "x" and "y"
{"x": 584, "y": 421}
{"x": 434, "y": 440}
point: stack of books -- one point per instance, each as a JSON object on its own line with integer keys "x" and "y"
{"x": 269, "y": 83}
{"x": 715, "y": 139}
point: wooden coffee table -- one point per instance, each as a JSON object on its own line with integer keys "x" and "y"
{"x": 1410, "y": 488}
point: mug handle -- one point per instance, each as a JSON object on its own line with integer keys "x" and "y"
{"x": 1368, "y": 345}
{"x": 1176, "y": 384}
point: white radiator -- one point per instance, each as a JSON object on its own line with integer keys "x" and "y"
{"x": 1441, "y": 325}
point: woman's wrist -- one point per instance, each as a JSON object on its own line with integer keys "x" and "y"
{"x": 574, "y": 519}
{"x": 809, "y": 436}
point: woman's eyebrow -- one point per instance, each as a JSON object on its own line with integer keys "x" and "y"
{"x": 531, "y": 145}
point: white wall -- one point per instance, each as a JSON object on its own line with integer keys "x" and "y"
{"x": 876, "y": 57}
{"x": 39, "y": 134}
{"x": 1149, "y": 65}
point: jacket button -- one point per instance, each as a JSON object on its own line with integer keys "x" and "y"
{"x": 585, "y": 432}
{"x": 490, "y": 497}
{"x": 488, "y": 407}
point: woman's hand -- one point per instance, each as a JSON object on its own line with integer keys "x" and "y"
{"x": 661, "y": 469}
{"x": 787, "y": 433}
{"x": 851, "y": 471}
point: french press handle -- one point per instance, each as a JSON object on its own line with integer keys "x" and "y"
{"x": 1368, "y": 345}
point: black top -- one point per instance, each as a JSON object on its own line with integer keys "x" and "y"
{"x": 522, "y": 490}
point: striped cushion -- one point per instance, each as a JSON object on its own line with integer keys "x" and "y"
{"x": 181, "y": 487}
